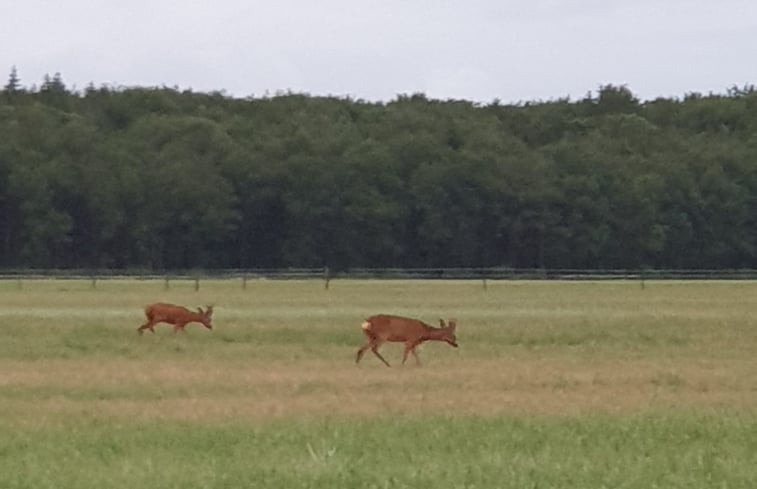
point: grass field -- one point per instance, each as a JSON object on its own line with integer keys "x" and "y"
{"x": 555, "y": 384}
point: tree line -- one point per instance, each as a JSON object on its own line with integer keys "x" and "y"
{"x": 163, "y": 178}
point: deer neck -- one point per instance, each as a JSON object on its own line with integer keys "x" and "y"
{"x": 436, "y": 334}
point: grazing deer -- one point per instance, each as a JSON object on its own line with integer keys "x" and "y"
{"x": 382, "y": 328}
{"x": 177, "y": 315}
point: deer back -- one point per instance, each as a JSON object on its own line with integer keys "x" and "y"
{"x": 397, "y": 328}
{"x": 173, "y": 314}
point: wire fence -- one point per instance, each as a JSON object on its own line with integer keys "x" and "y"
{"x": 326, "y": 275}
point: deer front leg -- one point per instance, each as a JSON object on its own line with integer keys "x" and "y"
{"x": 148, "y": 325}
{"x": 410, "y": 348}
{"x": 415, "y": 354}
{"x": 178, "y": 326}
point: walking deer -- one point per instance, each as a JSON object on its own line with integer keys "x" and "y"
{"x": 178, "y": 316}
{"x": 382, "y": 328}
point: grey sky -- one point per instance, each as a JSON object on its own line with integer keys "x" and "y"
{"x": 473, "y": 49}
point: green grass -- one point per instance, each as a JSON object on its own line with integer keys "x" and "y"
{"x": 637, "y": 452}
{"x": 555, "y": 384}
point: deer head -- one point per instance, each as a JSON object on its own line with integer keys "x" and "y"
{"x": 206, "y": 316}
{"x": 449, "y": 332}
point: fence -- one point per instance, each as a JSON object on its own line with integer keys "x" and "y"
{"x": 326, "y": 275}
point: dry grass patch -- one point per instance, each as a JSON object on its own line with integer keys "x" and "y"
{"x": 208, "y": 391}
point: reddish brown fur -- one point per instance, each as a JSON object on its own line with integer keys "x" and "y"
{"x": 178, "y": 316}
{"x": 383, "y": 327}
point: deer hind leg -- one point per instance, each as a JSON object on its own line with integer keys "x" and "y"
{"x": 362, "y": 350}
{"x": 366, "y": 327}
{"x": 370, "y": 340}
{"x": 373, "y": 343}
{"x": 374, "y": 349}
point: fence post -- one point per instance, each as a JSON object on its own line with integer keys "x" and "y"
{"x": 20, "y": 284}
{"x": 166, "y": 285}
{"x": 94, "y": 282}
{"x": 326, "y": 277}
{"x": 197, "y": 284}
{"x": 244, "y": 282}
{"x": 484, "y": 283}
{"x": 643, "y": 275}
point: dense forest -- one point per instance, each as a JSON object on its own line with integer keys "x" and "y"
{"x": 163, "y": 178}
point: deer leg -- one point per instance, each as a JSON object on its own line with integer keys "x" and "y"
{"x": 374, "y": 349}
{"x": 370, "y": 340}
{"x": 415, "y": 354}
{"x": 178, "y": 326}
{"x": 361, "y": 351}
{"x": 148, "y": 325}
{"x": 408, "y": 348}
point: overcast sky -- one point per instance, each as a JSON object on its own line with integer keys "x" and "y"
{"x": 479, "y": 50}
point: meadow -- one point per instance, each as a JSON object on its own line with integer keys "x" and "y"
{"x": 555, "y": 385}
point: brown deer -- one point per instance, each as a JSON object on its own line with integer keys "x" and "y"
{"x": 177, "y": 315}
{"x": 382, "y": 328}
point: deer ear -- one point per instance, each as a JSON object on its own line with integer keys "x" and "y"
{"x": 209, "y": 310}
{"x": 452, "y": 324}
{"x": 441, "y": 323}
{"x": 199, "y": 309}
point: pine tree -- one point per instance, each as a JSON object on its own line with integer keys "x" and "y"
{"x": 14, "y": 83}
{"x": 57, "y": 84}
{"x": 46, "y": 83}
{"x": 54, "y": 84}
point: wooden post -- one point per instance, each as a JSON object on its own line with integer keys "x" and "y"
{"x": 94, "y": 282}
{"x": 197, "y": 284}
{"x": 166, "y": 285}
{"x": 244, "y": 282}
{"x": 326, "y": 277}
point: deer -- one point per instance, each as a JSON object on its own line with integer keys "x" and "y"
{"x": 383, "y": 327}
{"x": 178, "y": 316}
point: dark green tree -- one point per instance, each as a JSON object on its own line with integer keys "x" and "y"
{"x": 14, "y": 82}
